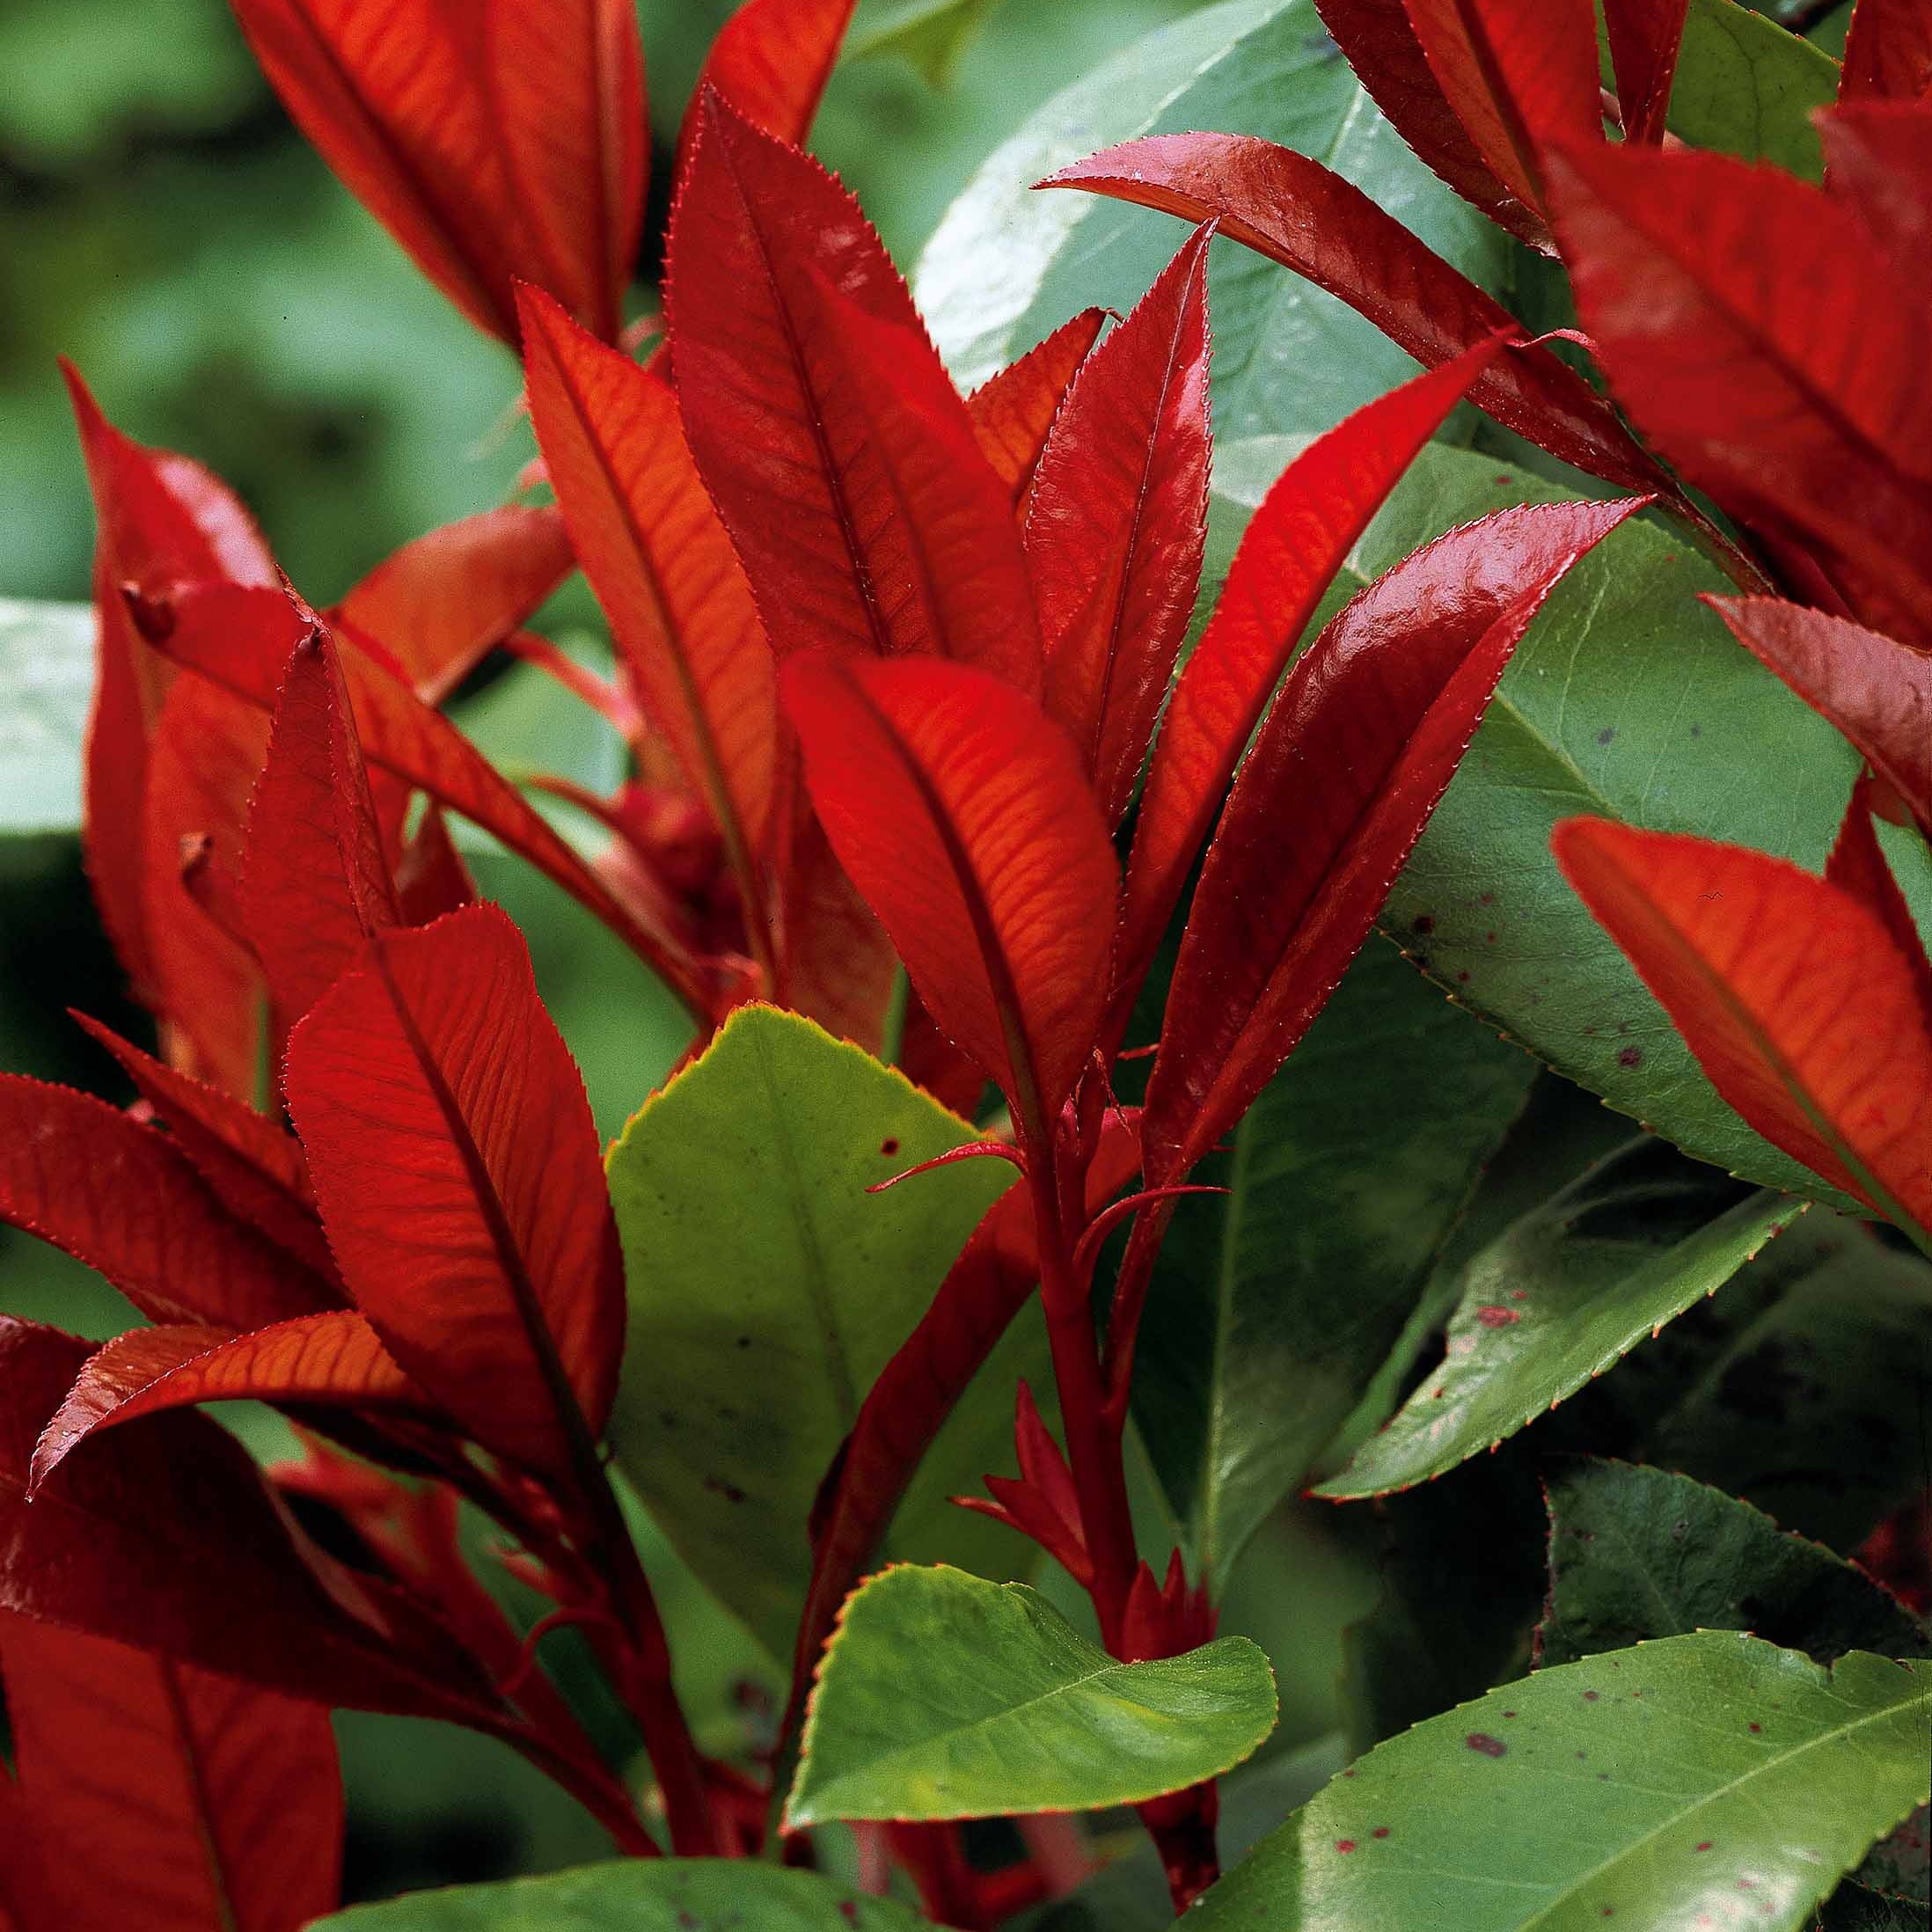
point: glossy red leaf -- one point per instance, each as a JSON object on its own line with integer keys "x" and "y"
{"x": 1518, "y": 74}
{"x": 251, "y": 1165}
{"x": 1352, "y": 757}
{"x": 115, "y": 1195}
{"x": 841, "y": 458}
{"x": 315, "y": 884}
{"x": 439, "y": 605}
{"x": 1857, "y": 865}
{"x": 492, "y": 140}
{"x": 1888, "y": 53}
{"x": 461, "y": 1178}
{"x": 332, "y": 1360}
{"x": 839, "y": 964}
{"x": 566, "y": 99}
{"x": 680, "y": 609}
{"x": 170, "y": 1539}
{"x": 1295, "y": 542}
{"x": 960, "y": 811}
{"x": 240, "y": 640}
{"x": 161, "y": 520}
{"x": 1753, "y": 330}
{"x": 1878, "y": 163}
{"x": 159, "y": 1795}
{"x": 905, "y": 1408}
{"x": 1116, "y": 526}
{"x": 771, "y": 61}
{"x": 1043, "y": 1503}
{"x": 1301, "y": 213}
{"x": 1012, "y": 412}
{"x": 1792, "y": 994}
{"x": 1876, "y": 691}
{"x": 431, "y": 878}
{"x": 1380, "y": 42}
{"x": 1646, "y": 37}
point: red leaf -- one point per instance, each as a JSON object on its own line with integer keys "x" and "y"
{"x": 204, "y": 759}
{"x": 1877, "y": 692}
{"x": 663, "y": 569}
{"x": 114, "y": 1194}
{"x": 1792, "y": 994}
{"x": 493, "y": 141}
{"x": 567, "y": 94}
{"x": 770, "y": 63}
{"x": 960, "y": 811}
{"x": 253, "y": 1167}
{"x": 438, "y": 605}
{"x": 1878, "y": 162}
{"x": 1306, "y": 526}
{"x": 1857, "y": 865}
{"x": 332, "y": 1360}
{"x": 162, "y": 520}
{"x": 240, "y": 640}
{"x": 1012, "y": 412}
{"x": 842, "y": 459}
{"x": 315, "y": 884}
{"x": 170, "y": 1540}
{"x": 159, "y": 1795}
{"x": 1296, "y": 212}
{"x": 839, "y": 965}
{"x": 905, "y": 1408}
{"x": 1380, "y": 42}
{"x": 1888, "y": 53}
{"x": 458, "y": 1170}
{"x": 1042, "y": 1504}
{"x": 1518, "y": 74}
{"x": 431, "y": 878}
{"x": 1646, "y": 37}
{"x": 1750, "y": 326}
{"x": 1116, "y": 526}
{"x": 1354, "y": 755}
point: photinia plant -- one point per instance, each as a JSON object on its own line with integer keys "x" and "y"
{"x": 1061, "y": 1174}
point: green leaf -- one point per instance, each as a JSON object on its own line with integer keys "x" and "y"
{"x": 47, "y": 680}
{"x": 933, "y": 34}
{"x": 638, "y": 1895}
{"x": 1639, "y": 1552}
{"x": 1632, "y": 1789}
{"x": 767, "y": 1289}
{"x": 1900, "y": 1866}
{"x": 1351, "y": 1168}
{"x": 1006, "y": 264}
{"x": 1570, "y": 1289}
{"x": 1747, "y": 87}
{"x": 1853, "y": 1908}
{"x": 1630, "y": 700}
{"x": 1808, "y": 1403}
{"x": 943, "y": 1695}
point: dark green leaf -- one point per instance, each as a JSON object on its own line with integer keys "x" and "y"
{"x": 944, "y": 1696}
{"x": 1853, "y": 1908}
{"x": 1632, "y": 1786}
{"x": 641, "y": 1895}
{"x": 1566, "y": 1292}
{"x": 1006, "y": 265}
{"x": 767, "y": 1289}
{"x": 1746, "y": 87}
{"x": 1900, "y": 1866}
{"x": 47, "y": 677}
{"x": 1637, "y": 1552}
{"x": 1275, "y": 1302}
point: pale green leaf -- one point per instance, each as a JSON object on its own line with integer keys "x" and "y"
{"x": 47, "y": 679}
{"x": 1710, "y": 1779}
{"x": 933, "y": 34}
{"x": 943, "y": 1696}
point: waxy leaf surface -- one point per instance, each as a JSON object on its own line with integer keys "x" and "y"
{"x": 781, "y": 1295}
{"x": 946, "y": 1696}
{"x": 1794, "y": 995}
{"x": 158, "y": 1794}
{"x": 457, "y": 1170}
{"x": 1576, "y": 1285}
{"x": 840, "y": 457}
{"x": 1637, "y": 1552}
{"x": 1484, "y": 1820}
{"x": 638, "y": 1895}
{"x": 961, "y": 812}
{"x": 1012, "y": 411}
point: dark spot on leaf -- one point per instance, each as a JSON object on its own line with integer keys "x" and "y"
{"x": 744, "y": 1341}
{"x": 848, "y": 1910}
{"x": 1705, "y": 1847}
{"x": 1493, "y": 1317}
{"x": 1509, "y": 1714}
{"x": 1590, "y": 1697}
{"x": 889, "y": 1145}
{"x": 1606, "y": 735}
{"x": 1756, "y": 1729}
{"x": 1381, "y": 1831}
{"x": 730, "y": 1491}
{"x": 1630, "y": 1057}
{"x": 1425, "y": 923}
{"x": 1344, "y": 1844}
{"x": 1697, "y": 731}
{"x": 1490, "y": 1747}
{"x": 1520, "y": 1294}
{"x": 1487, "y": 898}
